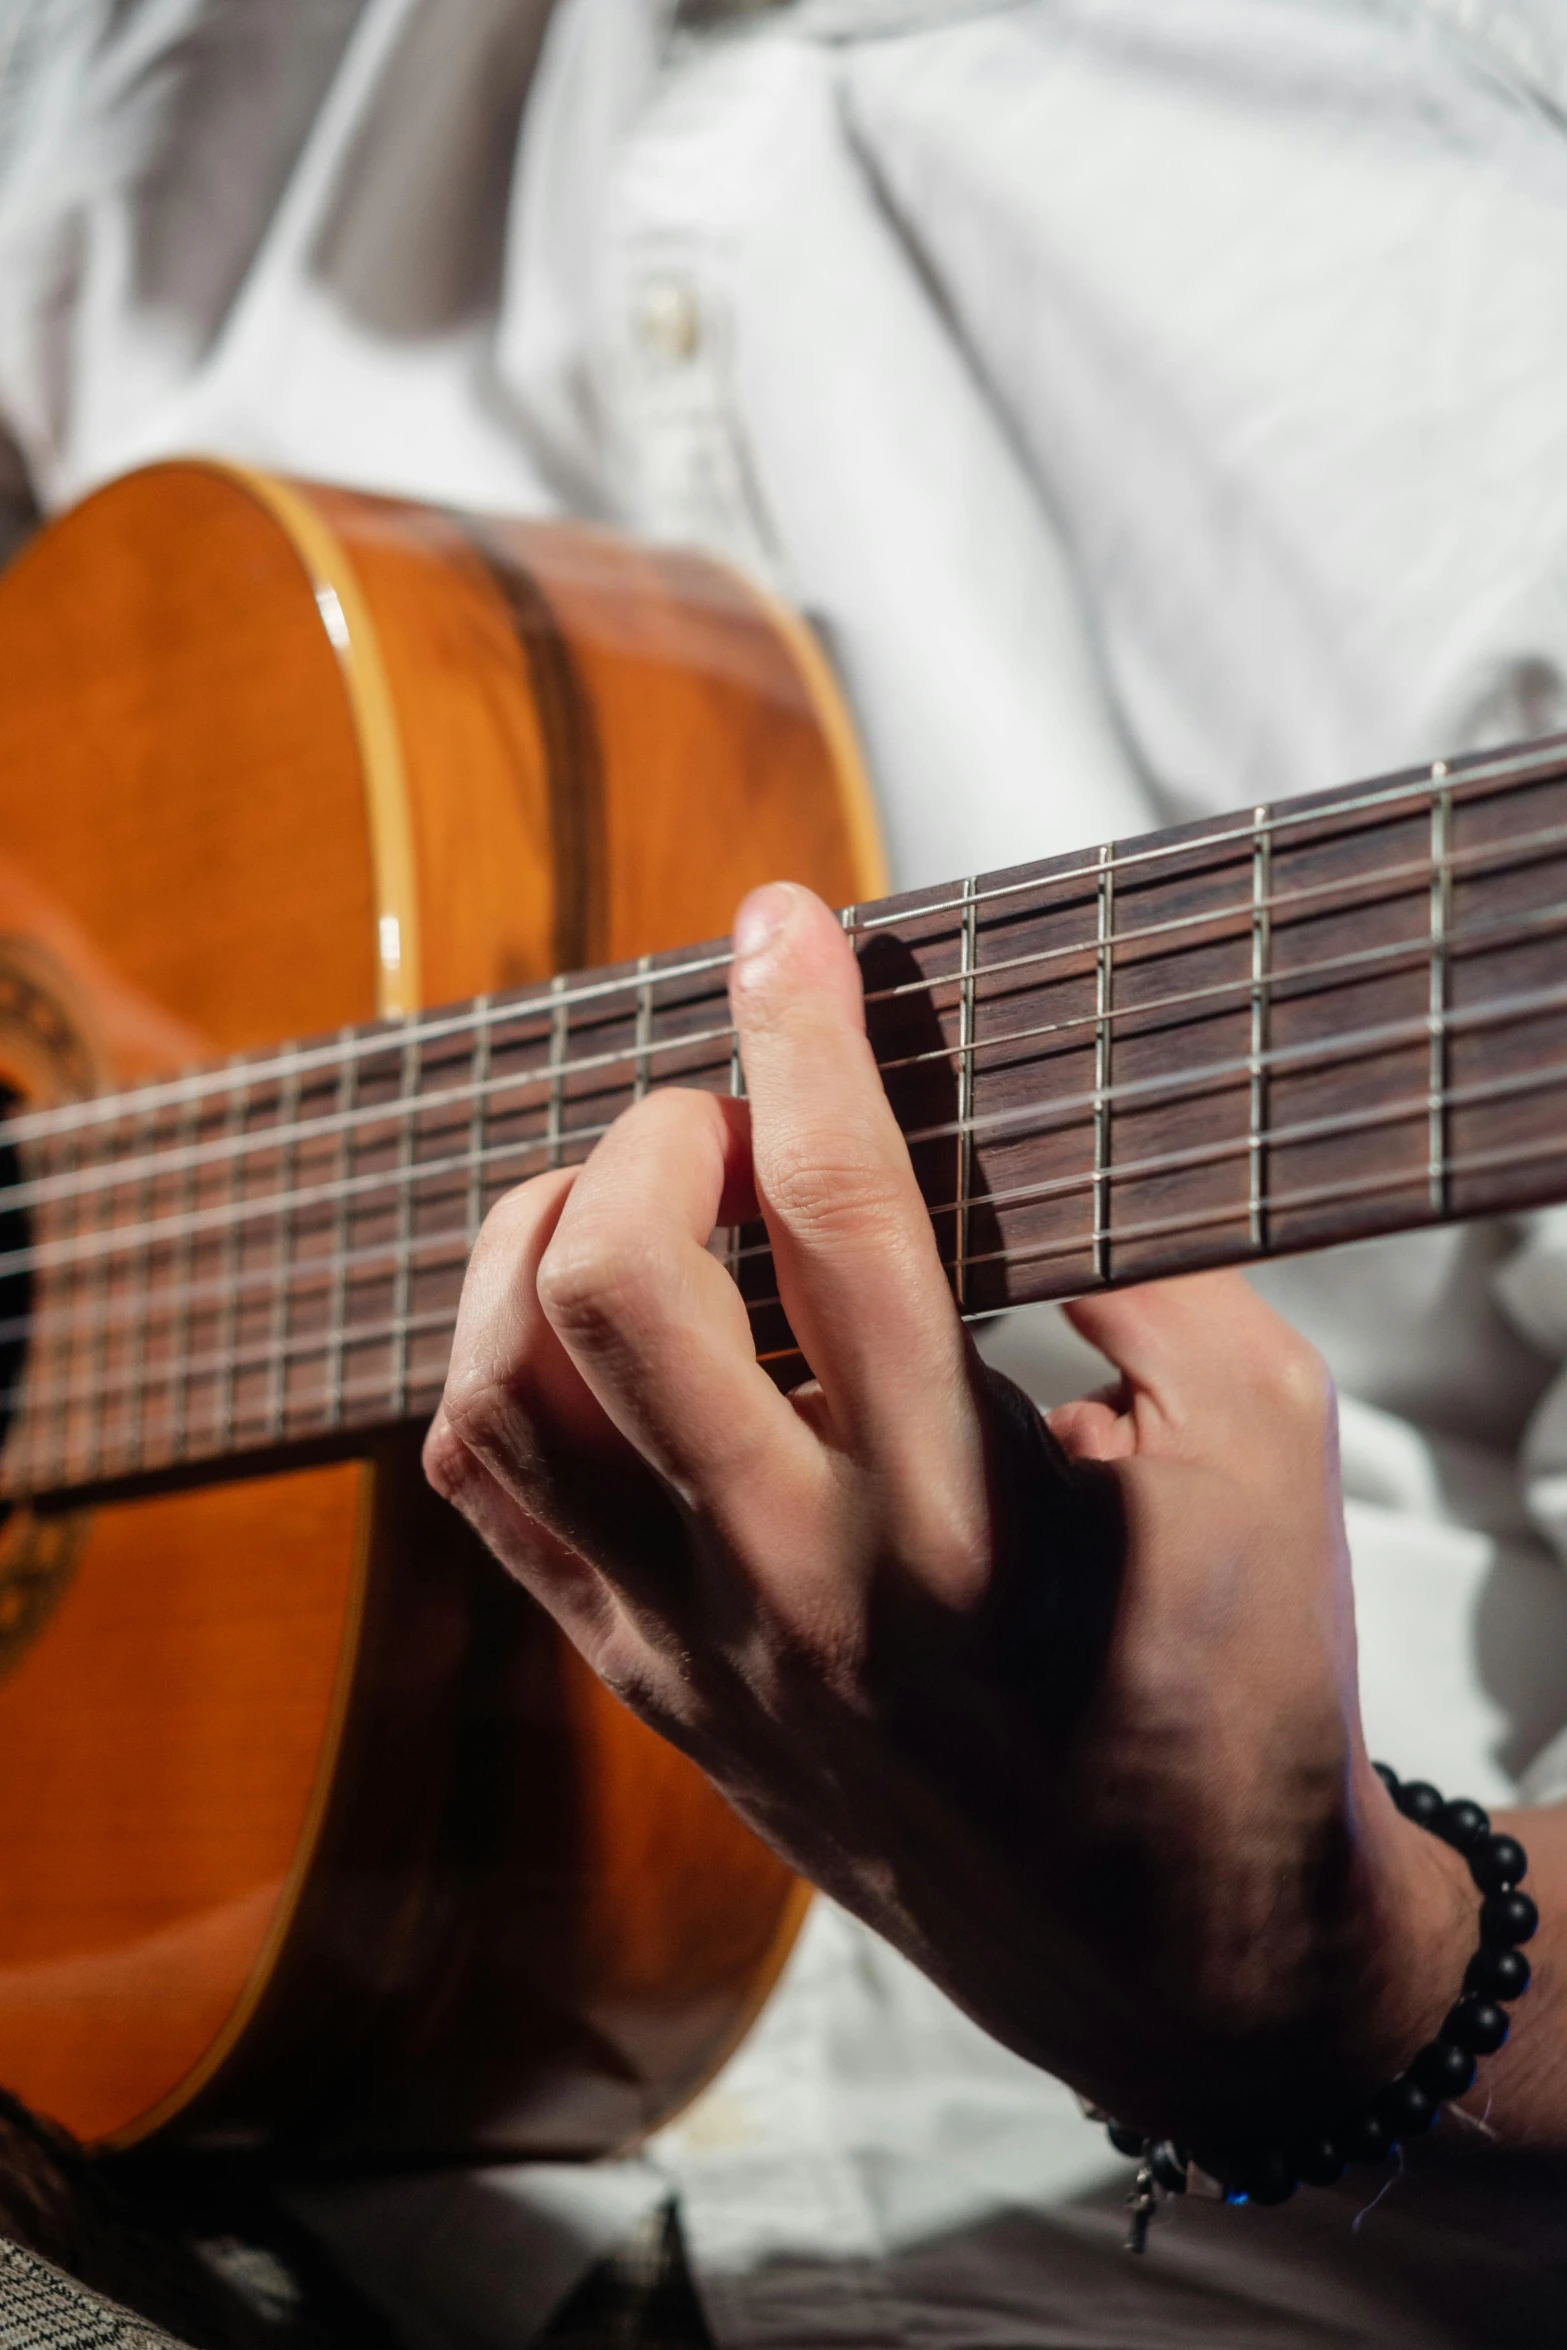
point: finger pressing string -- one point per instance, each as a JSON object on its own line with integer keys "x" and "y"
{"x": 858, "y": 1265}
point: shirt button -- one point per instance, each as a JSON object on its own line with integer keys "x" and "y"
{"x": 668, "y": 318}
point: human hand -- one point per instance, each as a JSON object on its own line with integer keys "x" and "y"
{"x": 1070, "y": 1716}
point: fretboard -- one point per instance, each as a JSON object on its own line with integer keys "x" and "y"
{"x": 1302, "y": 1024}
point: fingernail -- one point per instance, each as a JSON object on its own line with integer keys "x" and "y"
{"x": 760, "y": 918}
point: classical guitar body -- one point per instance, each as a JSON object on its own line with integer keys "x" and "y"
{"x": 313, "y": 1835}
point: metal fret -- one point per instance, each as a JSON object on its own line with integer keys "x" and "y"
{"x": 1104, "y": 991}
{"x": 233, "y": 1125}
{"x": 560, "y": 1024}
{"x": 965, "y": 1137}
{"x": 25, "y": 1453}
{"x": 1485, "y": 778}
{"x": 68, "y": 1312}
{"x": 138, "y": 1303}
{"x": 342, "y": 1219}
{"x": 94, "y": 1297}
{"x": 49, "y": 1425}
{"x": 187, "y": 1127}
{"x": 478, "y": 1079}
{"x": 644, "y": 1061}
{"x": 1441, "y": 920}
{"x": 402, "y": 1269}
{"x": 1261, "y": 973}
{"x": 1367, "y": 1067}
{"x": 282, "y": 1268}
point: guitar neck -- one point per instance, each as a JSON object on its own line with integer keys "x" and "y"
{"x": 1302, "y": 1024}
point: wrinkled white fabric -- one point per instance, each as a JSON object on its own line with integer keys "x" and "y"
{"x": 1158, "y": 405}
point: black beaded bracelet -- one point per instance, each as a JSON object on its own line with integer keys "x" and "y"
{"x": 1476, "y": 2026}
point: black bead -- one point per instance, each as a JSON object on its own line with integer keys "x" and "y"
{"x": 1445, "y": 2069}
{"x": 1419, "y": 1801}
{"x": 1168, "y": 2165}
{"x": 1127, "y": 2141}
{"x": 1498, "y": 1863}
{"x": 1463, "y": 1824}
{"x": 1476, "y": 2024}
{"x": 1388, "y": 1776}
{"x": 1498, "y": 1974}
{"x": 1367, "y": 2138}
{"x": 1265, "y": 2176}
{"x": 1506, "y": 1919}
{"x": 1408, "y": 2107}
{"x": 1317, "y": 2158}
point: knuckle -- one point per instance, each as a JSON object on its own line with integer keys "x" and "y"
{"x": 485, "y": 1421}
{"x": 1300, "y": 1379}
{"x": 633, "y": 1670}
{"x": 956, "y": 1558}
{"x": 634, "y": 1681}
{"x": 622, "y": 1663}
{"x": 826, "y": 1200}
{"x": 473, "y": 1411}
{"x": 448, "y": 1464}
{"x": 596, "y": 1277}
{"x": 509, "y": 1221}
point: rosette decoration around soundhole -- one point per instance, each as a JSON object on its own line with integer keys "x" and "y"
{"x": 45, "y": 1056}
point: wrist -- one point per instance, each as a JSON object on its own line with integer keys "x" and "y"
{"x": 1365, "y": 1987}
{"x": 1422, "y": 1913}
{"x": 1399, "y": 1977}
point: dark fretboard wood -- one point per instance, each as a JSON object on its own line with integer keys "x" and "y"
{"x": 1302, "y": 1024}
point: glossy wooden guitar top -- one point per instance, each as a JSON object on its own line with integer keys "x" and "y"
{"x": 313, "y": 1835}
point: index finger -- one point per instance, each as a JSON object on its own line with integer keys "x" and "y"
{"x": 859, "y": 1271}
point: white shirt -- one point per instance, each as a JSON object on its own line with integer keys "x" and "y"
{"x": 1158, "y": 405}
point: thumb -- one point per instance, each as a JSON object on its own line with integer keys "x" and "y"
{"x": 1199, "y": 1359}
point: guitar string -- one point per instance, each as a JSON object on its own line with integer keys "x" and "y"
{"x": 1060, "y": 1110}
{"x": 1501, "y": 931}
{"x": 227, "y": 1077}
{"x": 1300, "y": 1202}
{"x": 1513, "y": 773}
{"x": 108, "y": 1176}
{"x": 1180, "y": 1227}
{"x": 374, "y": 1388}
{"x": 1300, "y": 1133}
{"x": 115, "y": 1240}
{"x": 1488, "y": 859}
{"x": 379, "y": 1260}
{"x": 1507, "y": 772}
{"x": 422, "y": 1173}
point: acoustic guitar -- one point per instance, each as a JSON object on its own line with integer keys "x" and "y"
{"x": 313, "y": 1835}
{"x": 314, "y": 1838}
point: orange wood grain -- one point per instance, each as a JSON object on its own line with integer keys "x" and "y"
{"x": 158, "y": 1745}
{"x": 473, "y": 763}
{"x": 716, "y": 771}
{"x": 172, "y": 732}
{"x": 177, "y": 765}
{"x": 514, "y": 1920}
